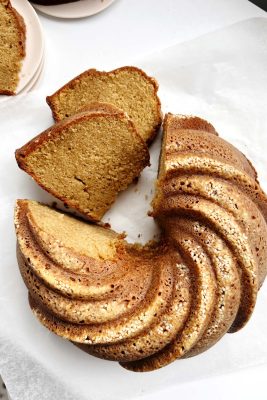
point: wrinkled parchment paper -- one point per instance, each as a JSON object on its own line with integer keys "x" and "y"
{"x": 222, "y": 77}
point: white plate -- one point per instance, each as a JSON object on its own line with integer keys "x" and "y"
{"x": 35, "y": 79}
{"x": 79, "y": 9}
{"x": 34, "y": 42}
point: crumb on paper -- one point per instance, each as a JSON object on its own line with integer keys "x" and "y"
{"x": 136, "y": 179}
{"x": 54, "y": 204}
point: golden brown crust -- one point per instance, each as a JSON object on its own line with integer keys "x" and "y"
{"x": 94, "y": 72}
{"x": 22, "y": 31}
{"x": 55, "y": 131}
{"x": 7, "y": 92}
{"x": 176, "y": 122}
{"x": 97, "y": 106}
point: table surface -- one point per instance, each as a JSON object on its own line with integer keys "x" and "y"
{"x": 131, "y": 29}
{"x": 126, "y": 31}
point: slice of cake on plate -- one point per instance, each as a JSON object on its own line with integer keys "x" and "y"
{"x": 12, "y": 47}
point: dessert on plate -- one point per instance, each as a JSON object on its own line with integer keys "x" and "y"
{"x": 12, "y": 47}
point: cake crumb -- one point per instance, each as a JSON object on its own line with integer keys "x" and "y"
{"x": 136, "y": 179}
{"x": 54, "y": 204}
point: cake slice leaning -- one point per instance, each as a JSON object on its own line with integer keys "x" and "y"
{"x": 87, "y": 159}
{"x": 12, "y": 47}
{"x": 128, "y": 88}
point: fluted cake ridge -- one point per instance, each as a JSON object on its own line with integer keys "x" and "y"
{"x": 148, "y": 306}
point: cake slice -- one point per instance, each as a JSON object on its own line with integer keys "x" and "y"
{"x": 12, "y": 47}
{"x": 87, "y": 159}
{"x": 128, "y": 88}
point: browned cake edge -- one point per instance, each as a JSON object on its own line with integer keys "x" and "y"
{"x": 95, "y": 72}
{"x": 55, "y": 130}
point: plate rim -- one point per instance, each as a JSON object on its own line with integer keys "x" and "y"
{"x": 52, "y": 11}
{"x": 31, "y": 84}
{"x": 32, "y": 21}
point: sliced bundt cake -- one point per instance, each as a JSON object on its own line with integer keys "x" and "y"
{"x": 12, "y": 47}
{"x": 108, "y": 289}
{"x": 128, "y": 88}
{"x": 148, "y": 306}
{"x": 86, "y": 159}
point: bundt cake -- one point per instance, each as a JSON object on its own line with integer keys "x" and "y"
{"x": 12, "y": 47}
{"x": 86, "y": 159}
{"x": 148, "y": 306}
{"x": 128, "y": 88}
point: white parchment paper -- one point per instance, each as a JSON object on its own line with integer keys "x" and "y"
{"x": 221, "y": 77}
